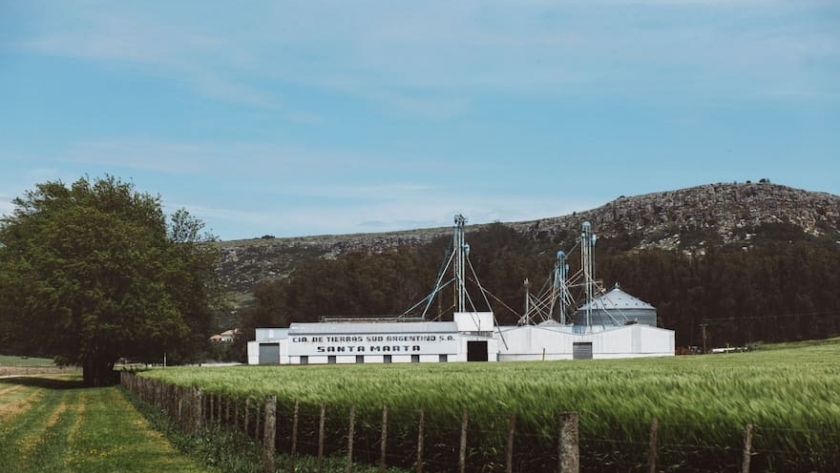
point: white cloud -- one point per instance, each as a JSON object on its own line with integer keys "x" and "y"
{"x": 252, "y": 167}
{"x": 16, "y": 184}
{"x": 208, "y": 62}
{"x": 213, "y": 158}
{"x": 6, "y": 206}
{"x": 435, "y": 58}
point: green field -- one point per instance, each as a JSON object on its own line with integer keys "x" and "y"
{"x": 23, "y": 361}
{"x": 702, "y": 403}
{"x": 52, "y": 424}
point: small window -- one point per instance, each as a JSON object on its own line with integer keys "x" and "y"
{"x": 443, "y": 358}
{"x": 386, "y": 358}
{"x": 415, "y": 358}
{"x": 304, "y": 360}
{"x": 331, "y": 359}
{"x": 360, "y": 358}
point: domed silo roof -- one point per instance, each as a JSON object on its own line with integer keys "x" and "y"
{"x": 617, "y": 307}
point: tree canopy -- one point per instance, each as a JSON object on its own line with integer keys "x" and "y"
{"x": 93, "y": 272}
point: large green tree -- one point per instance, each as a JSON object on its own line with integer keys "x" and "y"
{"x": 93, "y": 272}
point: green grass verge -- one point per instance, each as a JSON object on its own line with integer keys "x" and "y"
{"x": 28, "y": 362}
{"x": 55, "y": 425}
{"x": 801, "y": 344}
{"x": 231, "y": 451}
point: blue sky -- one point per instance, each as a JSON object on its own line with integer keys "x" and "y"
{"x": 305, "y": 118}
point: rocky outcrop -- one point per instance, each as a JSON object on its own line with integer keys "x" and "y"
{"x": 728, "y": 211}
{"x": 244, "y": 263}
{"x": 685, "y": 219}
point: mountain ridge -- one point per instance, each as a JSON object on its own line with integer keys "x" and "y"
{"x": 688, "y": 219}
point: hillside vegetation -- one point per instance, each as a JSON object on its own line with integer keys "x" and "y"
{"x": 740, "y": 263}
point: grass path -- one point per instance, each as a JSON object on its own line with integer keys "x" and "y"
{"x": 52, "y": 424}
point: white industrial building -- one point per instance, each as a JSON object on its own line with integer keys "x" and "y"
{"x": 468, "y": 338}
{"x": 619, "y": 326}
{"x": 549, "y": 341}
{"x": 612, "y": 324}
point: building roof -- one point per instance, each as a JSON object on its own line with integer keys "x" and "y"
{"x": 324, "y": 328}
{"x": 616, "y": 299}
{"x": 271, "y": 333}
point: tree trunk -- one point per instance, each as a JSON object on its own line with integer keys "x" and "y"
{"x": 98, "y": 372}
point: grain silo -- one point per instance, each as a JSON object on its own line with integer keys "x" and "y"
{"x": 615, "y": 308}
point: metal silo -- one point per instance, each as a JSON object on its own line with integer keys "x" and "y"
{"x": 615, "y": 308}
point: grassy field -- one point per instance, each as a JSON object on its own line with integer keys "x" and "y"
{"x": 27, "y": 366}
{"x": 52, "y": 424}
{"x": 702, "y": 403}
{"x": 27, "y": 362}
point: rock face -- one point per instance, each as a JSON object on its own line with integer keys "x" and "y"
{"x": 686, "y": 219}
{"x": 247, "y": 262}
{"x": 725, "y": 212}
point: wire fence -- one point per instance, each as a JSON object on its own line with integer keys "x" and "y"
{"x": 421, "y": 444}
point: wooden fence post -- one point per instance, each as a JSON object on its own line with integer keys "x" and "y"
{"x": 509, "y": 452}
{"x": 293, "y": 454}
{"x": 258, "y": 412}
{"x": 654, "y": 432}
{"x": 321, "y": 423}
{"x": 219, "y": 409}
{"x": 235, "y": 413}
{"x": 745, "y": 463}
{"x": 568, "y": 450}
{"x": 270, "y": 432}
{"x": 198, "y": 411}
{"x": 184, "y": 394}
{"x": 247, "y": 415}
{"x": 420, "y": 428}
{"x": 351, "y": 431}
{"x": 181, "y": 410}
{"x": 462, "y": 453}
{"x": 383, "y": 443}
{"x": 226, "y": 420}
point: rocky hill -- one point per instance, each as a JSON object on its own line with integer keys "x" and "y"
{"x": 686, "y": 219}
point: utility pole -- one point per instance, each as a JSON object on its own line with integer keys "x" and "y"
{"x": 703, "y": 326}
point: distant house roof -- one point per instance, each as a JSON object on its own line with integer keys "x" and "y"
{"x": 226, "y": 336}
